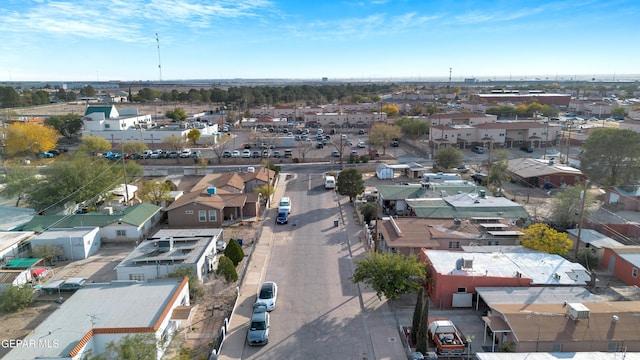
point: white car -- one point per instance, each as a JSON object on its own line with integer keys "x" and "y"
{"x": 246, "y": 153}
{"x": 235, "y": 154}
{"x": 267, "y": 295}
{"x": 285, "y": 204}
{"x": 361, "y": 145}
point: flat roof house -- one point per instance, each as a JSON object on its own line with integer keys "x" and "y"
{"x": 171, "y": 249}
{"x": 102, "y": 313}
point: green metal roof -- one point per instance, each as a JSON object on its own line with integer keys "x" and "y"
{"x": 134, "y": 215}
{"x": 439, "y": 208}
{"x": 99, "y": 109}
{"x": 21, "y": 263}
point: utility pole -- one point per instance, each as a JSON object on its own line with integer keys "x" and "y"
{"x": 584, "y": 200}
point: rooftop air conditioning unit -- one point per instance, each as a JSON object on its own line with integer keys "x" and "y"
{"x": 467, "y": 263}
{"x": 211, "y": 190}
{"x": 577, "y": 311}
{"x": 165, "y": 244}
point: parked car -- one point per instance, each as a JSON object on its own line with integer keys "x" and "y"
{"x": 221, "y": 245}
{"x": 285, "y": 204}
{"x": 69, "y": 285}
{"x": 185, "y": 153}
{"x": 479, "y": 177}
{"x": 462, "y": 169}
{"x": 226, "y": 154}
{"x": 277, "y": 154}
{"x": 246, "y": 153}
{"x": 256, "y": 154}
{"x": 478, "y": 149}
{"x": 258, "y": 333}
{"x": 361, "y": 145}
{"x": 196, "y": 154}
{"x": 335, "y": 153}
{"x": 267, "y": 295}
{"x": 361, "y": 132}
{"x": 283, "y": 217}
{"x": 395, "y": 143}
{"x": 528, "y": 149}
{"x": 236, "y": 154}
{"x": 320, "y": 145}
{"x": 173, "y": 154}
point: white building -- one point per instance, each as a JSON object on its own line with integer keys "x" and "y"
{"x": 102, "y": 313}
{"x": 169, "y": 250}
{"x": 77, "y": 243}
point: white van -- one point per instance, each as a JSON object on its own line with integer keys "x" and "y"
{"x": 329, "y": 182}
{"x": 440, "y": 177}
{"x": 285, "y": 204}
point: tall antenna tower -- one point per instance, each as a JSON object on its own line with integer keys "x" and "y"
{"x": 159, "y": 63}
{"x": 449, "y": 78}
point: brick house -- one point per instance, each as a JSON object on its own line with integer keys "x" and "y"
{"x": 624, "y": 263}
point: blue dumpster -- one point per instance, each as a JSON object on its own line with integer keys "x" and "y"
{"x": 240, "y": 242}
{"x": 336, "y": 223}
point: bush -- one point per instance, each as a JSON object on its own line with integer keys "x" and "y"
{"x": 14, "y": 298}
{"x": 364, "y": 158}
{"x": 234, "y": 252}
{"x": 295, "y": 160}
{"x": 227, "y": 269}
{"x": 195, "y": 288}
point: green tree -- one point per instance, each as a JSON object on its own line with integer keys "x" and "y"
{"x": 19, "y": 180}
{"x": 381, "y": 135}
{"x": 78, "y": 178}
{"x": 195, "y": 287}
{"x": 47, "y": 252}
{"x": 67, "y": 125}
{"x": 9, "y": 97}
{"x": 227, "y": 269}
{"x": 93, "y": 145}
{"x": 234, "y": 252}
{"x": 498, "y": 172}
{"x": 15, "y": 298}
{"x": 417, "y": 316}
{"x": 139, "y": 346}
{"x": 588, "y": 259}
{"x": 266, "y": 191}
{"x": 541, "y": 237}
{"x": 611, "y": 156}
{"x": 389, "y": 274}
{"x": 88, "y": 91}
{"x": 448, "y": 157}
{"x": 619, "y": 113}
{"x": 368, "y": 211}
{"x": 155, "y": 192}
{"x": 422, "y": 337}
{"x": 350, "y": 183}
{"x": 177, "y": 114}
{"x": 134, "y": 147}
{"x": 566, "y": 206}
{"x": 413, "y": 128}
{"x": 193, "y": 135}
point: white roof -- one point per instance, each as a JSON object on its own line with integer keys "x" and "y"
{"x": 536, "y": 295}
{"x": 121, "y": 304}
{"x": 595, "y": 238}
{"x": 541, "y": 268}
{"x": 556, "y": 356}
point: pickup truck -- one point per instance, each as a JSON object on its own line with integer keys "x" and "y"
{"x": 446, "y": 337}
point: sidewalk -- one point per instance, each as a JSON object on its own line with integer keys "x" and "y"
{"x": 380, "y": 318}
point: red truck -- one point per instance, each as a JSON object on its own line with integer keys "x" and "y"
{"x": 446, "y": 337}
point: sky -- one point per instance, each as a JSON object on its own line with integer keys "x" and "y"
{"x": 130, "y": 40}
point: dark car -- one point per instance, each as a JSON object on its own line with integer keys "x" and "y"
{"x": 283, "y": 217}
{"x": 479, "y": 177}
{"x": 527, "y": 149}
{"x": 395, "y": 143}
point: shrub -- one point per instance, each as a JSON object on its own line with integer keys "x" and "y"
{"x": 14, "y": 298}
{"x": 227, "y": 269}
{"x": 234, "y": 252}
{"x": 364, "y": 158}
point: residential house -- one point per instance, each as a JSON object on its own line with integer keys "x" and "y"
{"x": 624, "y": 263}
{"x": 543, "y": 174}
{"x": 77, "y": 243}
{"x": 19, "y": 271}
{"x": 14, "y": 244}
{"x": 623, "y": 197}
{"x": 409, "y": 235}
{"x": 12, "y": 217}
{"x": 456, "y": 275}
{"x": 100, "y": 313}
{"x": 592, "y": 240}
{"x": 219, "y": 199}
{"x": 132, "y": 224}
{"x": 169, "y": 250}
{"x": 525, "y": 97}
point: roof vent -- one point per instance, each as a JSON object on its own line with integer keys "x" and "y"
{"x": 483, "y": 193}
{"x": 577, "y": 311}
{"x": 457, "y": 222}
{"x": 211, "y": 190}
{"x": 467, "y": 263}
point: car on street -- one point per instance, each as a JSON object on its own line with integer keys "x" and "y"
{"x": 256, "y": 154}
{"x": 258, "y": 333}
{"x": 354, "y": 153}
{"x": 361, "y": 145}
{"x": 285, "y": 204}
{"x": 226, "y": 154}
{"x": 528, "y": 149}
{"x": 277, "y": 154}
{"x": 246, "y": 153}
{"x": 172, "y": 154}
{"x": 361, "y": 131}
{"x": 283, "y": 217}
{"x": 235, "y": 154}
{"x": 185, "y": 153}
{"x": 478, "y": 149}
{"x": 395, "y": 143}
{"x": 335, "y": 153}
{"x": 267, "y": 295}
{"x": 462, "y": 169}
